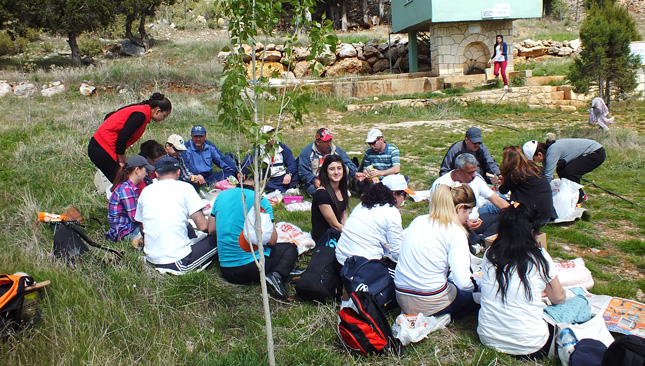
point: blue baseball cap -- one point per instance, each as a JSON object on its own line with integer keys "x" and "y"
{"x": 198, "y": 130}
{"x": 167, "y": 162}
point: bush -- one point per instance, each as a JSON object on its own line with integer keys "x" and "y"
{"x": 9, "y": 46}
{"x": 47, "y": 47}
{"x": 90, "y": 47}
{"x": 518, "y": 80}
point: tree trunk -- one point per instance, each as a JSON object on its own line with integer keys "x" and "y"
{"x": 145, "y": 38}
{"x": 607, "y": 92}
{"x": 381, "y": 12}
{"x": 366, "y": 17}
{"x": 343, "y": 16}
{"x": 73, "y": 45}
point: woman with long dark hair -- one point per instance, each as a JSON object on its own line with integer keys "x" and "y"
{"x": 330, "y": 201}
{"x": 374, "y": 227}
{"x": 500, "y": 58}
{"x": 122, "y": 205}
{"x": 570, "y": 158}
{"x": 435, "y": 246}
{"x": 121, "y": 129}
{"x": 524, "y": 179}
{"x": 516, "y": 271}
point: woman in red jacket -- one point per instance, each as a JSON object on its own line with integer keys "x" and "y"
{"x": 123, "y": 128}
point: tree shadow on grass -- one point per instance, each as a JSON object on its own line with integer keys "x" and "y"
{"x": 25, "y": 65}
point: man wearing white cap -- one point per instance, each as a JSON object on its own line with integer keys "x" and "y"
{"x": 174, "y": 147}
{"x": 382, "y": 157}
{"x": 374, "y": 230}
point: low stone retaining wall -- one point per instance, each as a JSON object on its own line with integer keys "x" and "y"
{"x": 557, "y": 97}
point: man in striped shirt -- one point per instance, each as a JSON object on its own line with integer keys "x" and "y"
{"x": 381, "y": 158}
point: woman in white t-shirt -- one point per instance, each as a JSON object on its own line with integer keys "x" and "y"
{"x": 433, "y": 275}
{"x": 500, "y": 58}
{"x": 516, "y": 271}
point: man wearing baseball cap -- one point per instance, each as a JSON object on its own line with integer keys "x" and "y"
{"x": 201, "y": 154}
{"x": 381, "y": 158}
{"x": 312, "y": 157}
{"x": 473, "y": 144}
{"x": 162, "y": 210}
{"x": 174, "y": 146}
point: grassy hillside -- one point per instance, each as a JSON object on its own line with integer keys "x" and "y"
{"x": 98, "y": 312}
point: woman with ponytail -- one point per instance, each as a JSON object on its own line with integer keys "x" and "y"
{"x": 123, "y": 202}
{"x": 121, "y": 129}
{"x": 516, "y": 271}
{"x": 435, "y": 248}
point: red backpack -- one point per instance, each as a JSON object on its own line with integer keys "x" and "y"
{"x": 365, "y": 328}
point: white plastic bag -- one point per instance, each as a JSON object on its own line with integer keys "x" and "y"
{"x": 565, "y": 196}
{"x": 573, "y": 274}
{"x": 413, "y": 328}
{"x": 290, "y": 233}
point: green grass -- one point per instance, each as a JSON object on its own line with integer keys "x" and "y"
{"x": 552, "y": 66}
{"x": 558, "y": 36}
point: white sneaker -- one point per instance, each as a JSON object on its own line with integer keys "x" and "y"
{"x": 505, "y": 87}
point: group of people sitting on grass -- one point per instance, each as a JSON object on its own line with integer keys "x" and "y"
{"x": 432, "y": 274}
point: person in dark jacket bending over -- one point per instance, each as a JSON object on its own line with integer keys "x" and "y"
{"x": 201, "y": 154}
{"x": 473, "y": 143}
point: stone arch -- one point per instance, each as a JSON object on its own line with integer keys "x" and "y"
{"x": 477, "y": 45}
{"x": 475, "y": 56}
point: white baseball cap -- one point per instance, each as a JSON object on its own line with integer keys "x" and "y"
{"x": 177, "y": 142}
{"x": 267, "y": 129}
{"x": 396, "y": 182}
{"x": 373, "y": 134}
{"x": 529, "y": 149}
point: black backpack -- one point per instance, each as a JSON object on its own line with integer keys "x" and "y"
{"x": 12, "y": 299}
{"x": 629, "y": 350}
{"x": 69, "y": 242}
{"x": 365, "y": 329}
{"x": 373, "y": 276}
{"x": 321, "y": 281}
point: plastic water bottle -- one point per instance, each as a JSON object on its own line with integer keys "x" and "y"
{"x": 566, "y": 345}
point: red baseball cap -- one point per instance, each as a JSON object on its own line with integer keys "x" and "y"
{"x": 324, "y": 134}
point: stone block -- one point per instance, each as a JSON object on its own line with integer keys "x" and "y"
{"x": 567, "y": 108}
{"x": 267, "y": 70}
{"x": 352, "y": 66}
{"x": 557, "y": 95}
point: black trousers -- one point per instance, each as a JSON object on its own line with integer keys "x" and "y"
{"x": 102, "y": 159}
{"x": 281, "y": 260}
{"x": 582, "y": 165}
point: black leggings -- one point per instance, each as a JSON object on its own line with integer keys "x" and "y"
{"x": 281, "y": 260}
{"x": 102, "y": 160}
{"x": 582, "y": 165}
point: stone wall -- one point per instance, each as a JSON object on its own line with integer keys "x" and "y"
{"x": 463, "y": 48}
{"x": 556, "y": 97}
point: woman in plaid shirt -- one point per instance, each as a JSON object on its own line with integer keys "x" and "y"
{"x": 123, "y": 201}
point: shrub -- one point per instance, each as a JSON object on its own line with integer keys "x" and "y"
{"x": 518, "y": 80}
{"x": 90, "y": 47}
{"x": 47, "y": 47}
{"x": 9, "y": 46}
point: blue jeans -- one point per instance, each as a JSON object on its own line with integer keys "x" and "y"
{"x": 489, "y": 207}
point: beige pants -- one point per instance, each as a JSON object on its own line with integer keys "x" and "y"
{"x": 427, "y": 305}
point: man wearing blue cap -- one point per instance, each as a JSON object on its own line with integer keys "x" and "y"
{"x": 162, "y": 210}
{"x": 201, "y": 154}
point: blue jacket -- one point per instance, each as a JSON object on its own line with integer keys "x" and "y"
{"x": 201, "y": 161}
{"x": 504, "y": 51}
{"x": 308, "y": 154}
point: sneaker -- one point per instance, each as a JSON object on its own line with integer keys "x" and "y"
{"x": 296, "y": 273}
{"x": 276, "y": 288}
{"x": 505, "y": 87}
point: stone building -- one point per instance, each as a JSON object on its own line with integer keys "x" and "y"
{"x": 461, "y": 33}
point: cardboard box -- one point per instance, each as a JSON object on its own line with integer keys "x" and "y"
{"x": 541, "y": 239}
